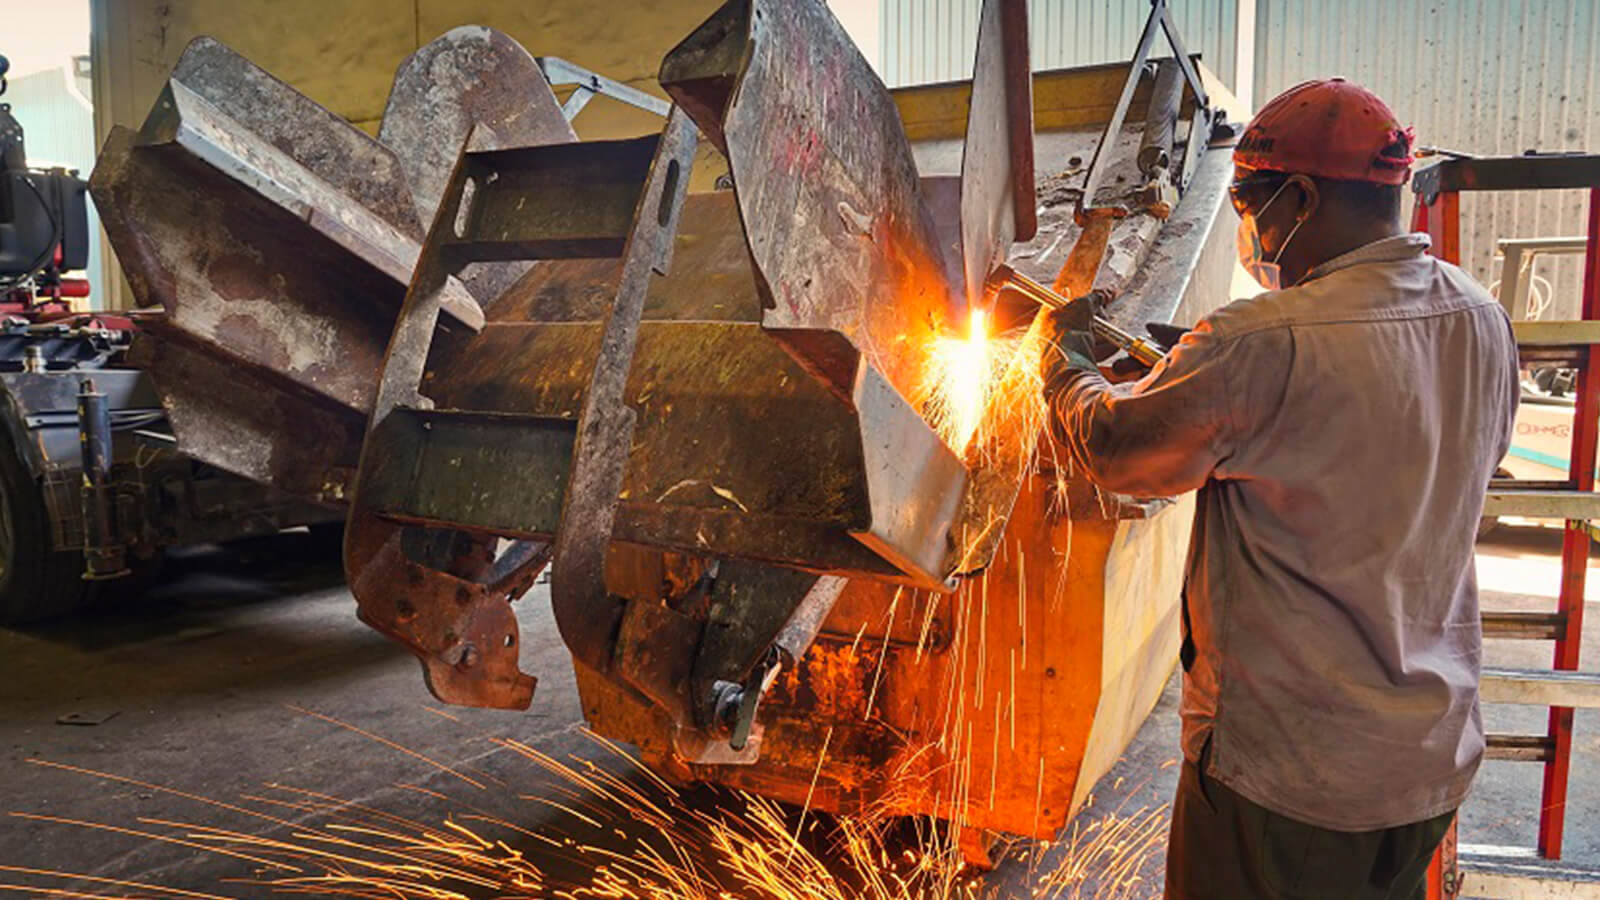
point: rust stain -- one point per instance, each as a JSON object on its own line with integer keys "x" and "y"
{"x": 239, "y": 276}
{"x": 243, "y": 331}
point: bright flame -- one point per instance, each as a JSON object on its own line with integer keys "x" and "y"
{"x": 961, "y": 371}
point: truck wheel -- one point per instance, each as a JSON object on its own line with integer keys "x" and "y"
{"x": 36, "y": 582}
{"x": 327, "y": 539}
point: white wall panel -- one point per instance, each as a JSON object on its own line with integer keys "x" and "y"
{"x": 926, "y": 41}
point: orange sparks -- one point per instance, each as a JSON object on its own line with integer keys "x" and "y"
{"x": 642, "y": 839}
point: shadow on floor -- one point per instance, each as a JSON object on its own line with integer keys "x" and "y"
{"x": 198, "y": 586}
{"x": 1522, "y": 540}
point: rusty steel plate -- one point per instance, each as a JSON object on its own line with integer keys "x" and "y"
{"x": 828, "y": 192}
{"x": 997, "y": 191}
{"x": 586, "y": 613}
{"x": 329, "y": 148}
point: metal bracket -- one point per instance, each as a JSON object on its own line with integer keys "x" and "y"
{"x": 587, "y": 84}
{"x": 454, "y": 612}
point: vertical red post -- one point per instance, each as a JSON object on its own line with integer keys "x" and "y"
{"x": 1440, "y": 220}
{"x": 1574, "y": 549}
{"x": 1421, "y": 218}
{"x": 1445, "y": 227}
{"x": 1436, "y": 872}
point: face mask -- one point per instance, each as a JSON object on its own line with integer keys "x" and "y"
{"x": 1251, "y": 253}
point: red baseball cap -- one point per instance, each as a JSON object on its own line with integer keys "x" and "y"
{"x": 1329, "y": 128}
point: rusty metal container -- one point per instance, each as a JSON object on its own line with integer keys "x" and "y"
{"x": 771, "y": 568}
{"x": 1000, "y": 705}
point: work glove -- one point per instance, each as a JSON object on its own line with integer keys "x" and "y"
{"x": 1126, "y": 368}
{"x": 1165, "y": 334}
{"x": 1069, "y": 339}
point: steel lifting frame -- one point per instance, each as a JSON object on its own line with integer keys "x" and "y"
{"x": 1574, "y": 500}
{"x": 1159, "y": 22}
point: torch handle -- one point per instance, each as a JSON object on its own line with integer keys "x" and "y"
{"x": 1146, "y": 352}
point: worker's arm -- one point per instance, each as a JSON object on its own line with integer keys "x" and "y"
{"x": 1162, "y": 435}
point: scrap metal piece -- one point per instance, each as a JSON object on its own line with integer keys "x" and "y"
{"x": 278, "y": 238}
{"x": 997, "y": 190}
{"x": 461, "y": 628}
{"x": 738, "y": 451}
{"x": 429, "y": 608}
{"x": 468, "y": 78}
{"x": 828, "y": 193}
{"x": 253, "y": 184}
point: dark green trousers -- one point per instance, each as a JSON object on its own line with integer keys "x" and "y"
{"x": 1224, "y": 847}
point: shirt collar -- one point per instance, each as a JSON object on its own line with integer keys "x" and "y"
{"x": 1389, "y": 249}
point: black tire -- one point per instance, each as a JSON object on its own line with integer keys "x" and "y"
{"x": 327, "y": 540}
{"x": 36, "y": 582}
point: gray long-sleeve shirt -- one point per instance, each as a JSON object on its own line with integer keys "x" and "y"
{"x": 1342, "y": 434}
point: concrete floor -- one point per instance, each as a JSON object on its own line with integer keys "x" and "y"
{"x": 213, "y": 685}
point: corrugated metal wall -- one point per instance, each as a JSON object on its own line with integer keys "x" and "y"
{"x": 924, "y": 41}
{"x": 58, "y": 130}
{"x": 1488, "y": 77}
{"x": 1482, "y": 76}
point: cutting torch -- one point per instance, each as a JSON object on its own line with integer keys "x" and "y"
{"x": 1147, "y": 352}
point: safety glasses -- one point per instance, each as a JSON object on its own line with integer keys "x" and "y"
{"x": 1241, "y": 186}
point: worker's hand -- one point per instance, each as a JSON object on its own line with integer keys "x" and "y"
{"x": 1069, "y": 339}
{"x": 1124, "y": 368}
{"x": 1069, "y": 333}
{"x": 1079, "y": 313}
{"x": 1068, "y": 350}
{"x": 1166, "y": 335}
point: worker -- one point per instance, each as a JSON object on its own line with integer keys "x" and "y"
{"x": 1341, "y": 428}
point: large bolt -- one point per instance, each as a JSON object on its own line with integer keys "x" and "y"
{"x": 726, "y": 698}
